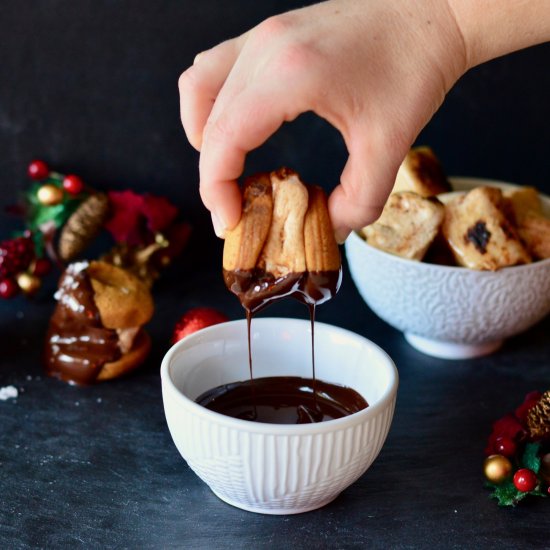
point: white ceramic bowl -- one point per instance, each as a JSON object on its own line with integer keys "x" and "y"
{"x": 451, "y": 312}
{"x": 275, "y": 468}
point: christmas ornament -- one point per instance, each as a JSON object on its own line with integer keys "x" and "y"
{"x": 523, "y": 436}
{"x": 538, "y": 417}
{"x": 38, "y": 170}
{"x": 49, "y": 195}
{"x": 505, "y": 446}
{"x": 28, "y": 283}
{"x": 63, "y": 216}
{"x": 41, "y": 267}
{"x": 8, "y": 288}
{"x": 73, "y": 184}
{"x": 497, "y": 468}
{"x": 83, "y": 226}
{"x": 197, "y": 319}
{"x": 525, "y": 480}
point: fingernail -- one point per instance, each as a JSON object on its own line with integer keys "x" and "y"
{"x": 219, "y": 226}
{"x": 197, "y": 57}
{"x": 341, "y": 234}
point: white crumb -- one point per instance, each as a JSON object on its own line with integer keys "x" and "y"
{"x": 8, "y": 392}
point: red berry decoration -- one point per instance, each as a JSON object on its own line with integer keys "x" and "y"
{"x": 73, "y": 184}
{"x": 8, "y": 288}
{"x": 15, "y": 256}
{"x": 41, "y": 267}
{"x": 38, "y": 170}
{"x": 197, "y": 319}
{"x": 505, "y": 446}
{"x": 525, "y": 480}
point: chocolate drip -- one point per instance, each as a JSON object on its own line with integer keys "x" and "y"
{"x": 77, "y": 344}
{"x": 256, "y": 289}
{"x": 283, "y": 400}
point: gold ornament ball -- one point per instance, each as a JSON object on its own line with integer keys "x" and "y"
{"x": 49, "y": 195}
{"x": 28, "y": 283}
{"x": 497, "y": 468}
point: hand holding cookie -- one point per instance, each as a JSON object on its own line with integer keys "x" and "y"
{"x": 377, "y": 71}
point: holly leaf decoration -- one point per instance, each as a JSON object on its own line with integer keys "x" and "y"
{"x": 531, "y": 457}
{"x": 39, "y": 214}
{"x": 506, "y": 493}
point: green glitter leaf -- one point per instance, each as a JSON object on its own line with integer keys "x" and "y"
{"x": 40, "y": 214}
{"x": 506, "y": 493}
{"x": 530, "y": 458}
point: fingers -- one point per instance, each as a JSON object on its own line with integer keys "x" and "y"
{"x": 365, "y": 184}
{"x": 246, "y": 121}
{"x": 200, "y": 85}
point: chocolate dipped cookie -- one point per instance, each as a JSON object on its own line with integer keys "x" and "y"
{"x": 95, "y": 332}
{"x": 283, "y": 245}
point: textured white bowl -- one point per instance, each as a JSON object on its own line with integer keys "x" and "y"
{"x": 451, "y": 312}
{"x": 275, "y": 468}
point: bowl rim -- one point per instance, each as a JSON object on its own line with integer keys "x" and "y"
{"x": 385, "y": 400}
{"x": 468, "y": 183}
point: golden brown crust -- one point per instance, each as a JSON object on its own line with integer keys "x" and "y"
{"x": 524, "y": 202}
{"x": 122, "y": 299}
{"x": 535, "y": 233}
{"x": 408, "y": 225}
{"x": 285, "y": 228}
{"x": 533, "y": 227}
{"x": 283, "y": 251}
{"x": 479, "y": 233}
{"x": 322, "y": 252}
{"x": 421, "y": 173}
{"x": 129, "y": 361}
{"x": 244, "y": 244}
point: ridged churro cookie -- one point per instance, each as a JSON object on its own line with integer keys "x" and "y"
{"x": 284, "y": 243}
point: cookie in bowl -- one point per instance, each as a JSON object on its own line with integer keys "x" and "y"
{"x": 501, "y": 232}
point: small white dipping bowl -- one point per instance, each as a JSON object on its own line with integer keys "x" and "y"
{"x": 276, "y": 468}
{"x": 451, "y": 312}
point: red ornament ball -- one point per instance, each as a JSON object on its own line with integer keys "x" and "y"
{"x": 8, "y": 288}
{"x": 41, "y": 267}
{"x": 38, "y": 170}
{"x": 525, "y": 480}
{"x": 197, "y": 319}
{"x": 73, "y": 184}
{"x": 505, "y": 446}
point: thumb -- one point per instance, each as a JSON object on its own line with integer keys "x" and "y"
{"x": 365, "y": 183}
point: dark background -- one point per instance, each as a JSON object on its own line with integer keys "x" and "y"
{"x": 91, "y": 87}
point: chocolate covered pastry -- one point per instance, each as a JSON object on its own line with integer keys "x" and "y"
{"x": 95, "y": 332}
{"x": 283, "y": 245}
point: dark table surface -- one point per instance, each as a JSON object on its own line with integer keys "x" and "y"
{"x": 95, "y": 467}
{"x": 90, "y": 86}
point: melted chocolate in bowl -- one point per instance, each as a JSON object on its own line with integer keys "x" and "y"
{"x": 282, "y": 399}
{"x": 77, "y": 343}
